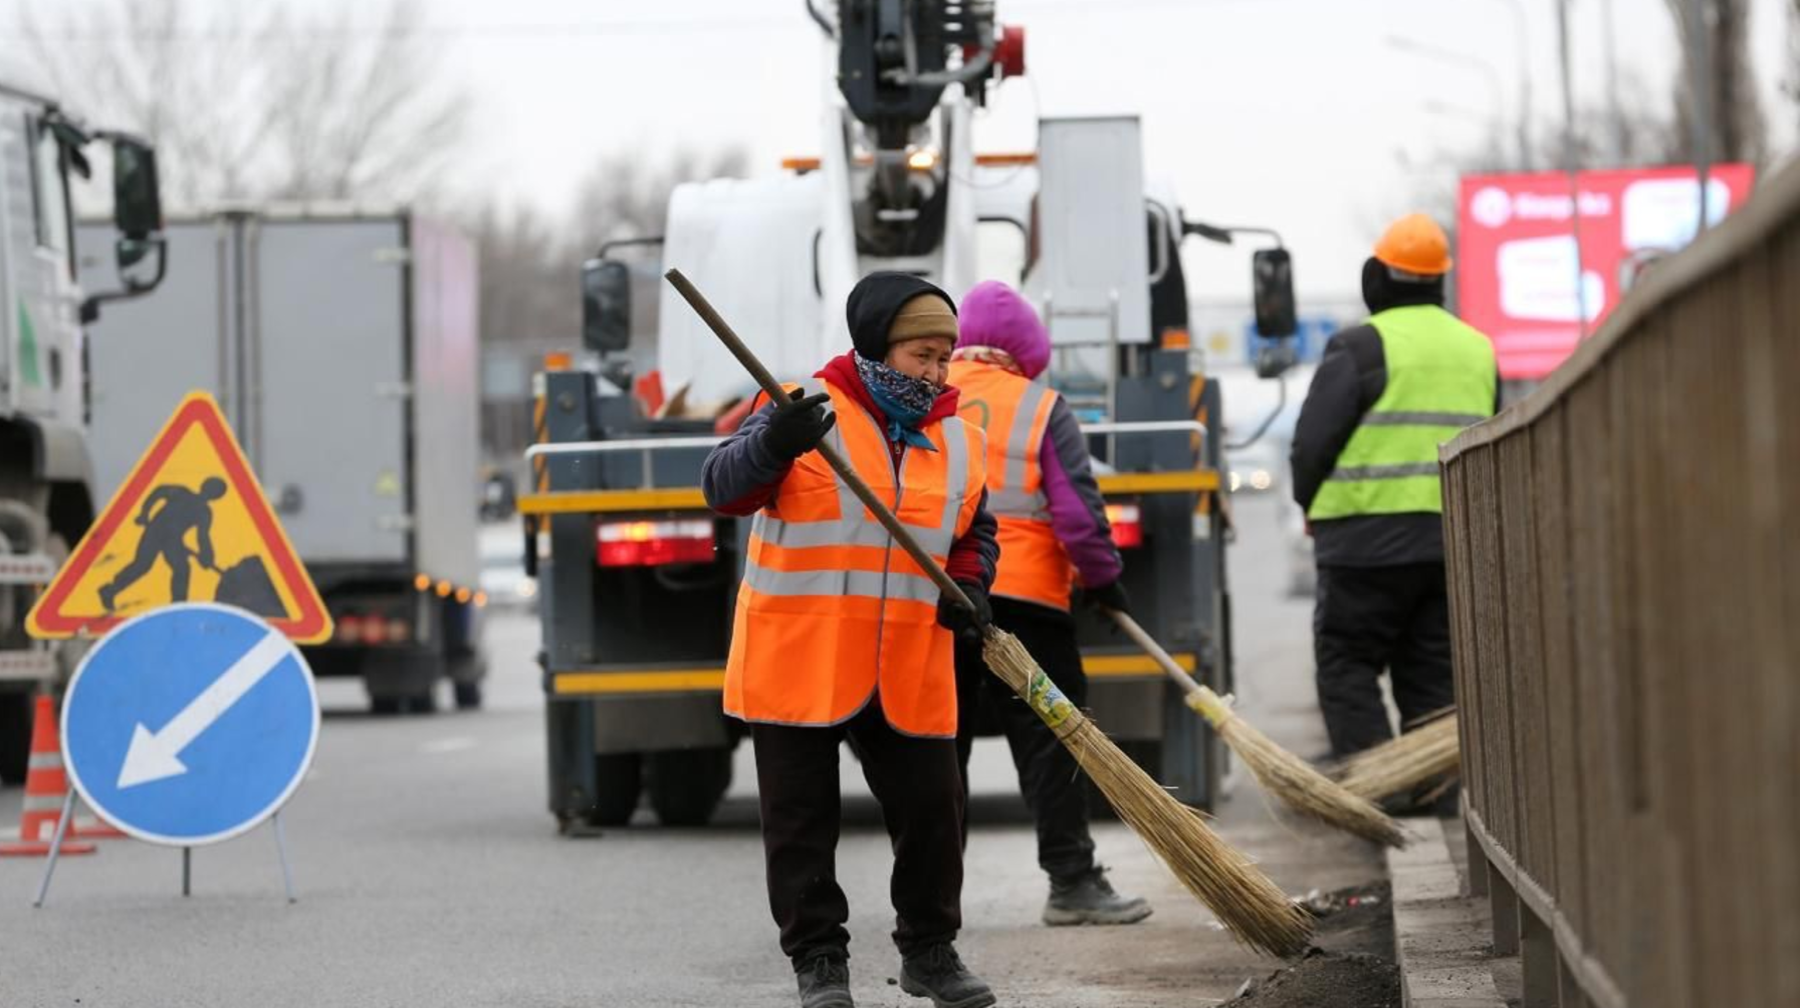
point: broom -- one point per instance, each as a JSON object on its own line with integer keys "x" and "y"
{"x": 1402, "y": 764}
{"x": 1280, "y": 772}
{"x": 1245, "y": 900}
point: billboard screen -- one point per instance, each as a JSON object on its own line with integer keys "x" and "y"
{"x": 1516, "y": 261}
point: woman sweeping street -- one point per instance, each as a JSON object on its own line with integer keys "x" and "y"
{"x": 1052, "y": 528}
{"x": 839, "y": 635}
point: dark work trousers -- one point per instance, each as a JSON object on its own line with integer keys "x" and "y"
{"x": 915, "y": 780}
{"x": 1370, "y": 619}
{"x": 1054, "y": 788}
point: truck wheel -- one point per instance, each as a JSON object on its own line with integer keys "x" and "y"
{"x": 419, "y": 703}
{"x": 401, "y": 683}
{"x": 686, "y": 784}
{"x": 618, "y": 778}
{"x": 468, "y": 695}
{"x": 15, "y": 736}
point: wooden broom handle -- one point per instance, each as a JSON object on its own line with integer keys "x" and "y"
{"x": 1142, "y": 639}
{"x": 777, "y": 394}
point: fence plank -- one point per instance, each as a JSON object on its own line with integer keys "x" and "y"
{"x": 1624, "y": 557}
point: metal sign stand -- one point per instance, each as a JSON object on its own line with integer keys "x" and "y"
{"x": 187, "y": 857}
{"x": 56, "y": 842}
{"x": 287, "y": 874}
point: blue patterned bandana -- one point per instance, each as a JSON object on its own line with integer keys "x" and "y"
{"x": 906, "y": 400}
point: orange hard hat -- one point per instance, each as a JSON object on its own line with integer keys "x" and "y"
{"x": 1415, "y": 244}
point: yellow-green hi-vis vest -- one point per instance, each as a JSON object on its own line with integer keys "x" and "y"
{"x": 1440, "y": 379}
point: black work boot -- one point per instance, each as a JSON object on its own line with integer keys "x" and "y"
{"x": 938, "y": 973}
{"x": 1089, "y": 899}
{"x": 824, "y": 982}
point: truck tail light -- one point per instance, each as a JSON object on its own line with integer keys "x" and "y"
{"x": 654, "y": 543}
{"x": 1127, "y": 523}
{"x": 371, "y": 628}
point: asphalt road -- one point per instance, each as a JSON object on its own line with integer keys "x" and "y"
{"x": 430, "y": 874}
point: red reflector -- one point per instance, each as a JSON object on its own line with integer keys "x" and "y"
{"x": 654, "y": 543}
{"x": 1127, "y": 525}
{"x": 350, "y": 629}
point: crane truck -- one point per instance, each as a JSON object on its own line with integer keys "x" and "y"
{"x": 47, "y": 495}
{"x": 637, "y": 578}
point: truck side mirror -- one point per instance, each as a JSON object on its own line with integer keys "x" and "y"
{"x": 138, "y": 217}
{"x": 1272, "y": 278}
{"x": 605, "y": 305}
{"x": 1274, "y": 357}
{"x": 137, "y": 204}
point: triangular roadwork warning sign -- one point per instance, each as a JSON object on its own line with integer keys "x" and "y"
{"x": 190, "y": 524}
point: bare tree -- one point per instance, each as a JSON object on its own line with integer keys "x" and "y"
{"x": 529, "y": 265}
{"x": 260, "y": 99}
{"x": 626, "y": 197}
{"x": 1738, "y": 132}
{"x": 1791, "y": 83}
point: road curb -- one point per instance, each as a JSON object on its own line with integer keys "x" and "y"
{"x": 1442, "y": 941}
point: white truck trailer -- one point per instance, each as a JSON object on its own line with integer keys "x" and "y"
{"x": 342, "y": 348}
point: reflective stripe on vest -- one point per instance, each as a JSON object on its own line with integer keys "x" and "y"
{"x": 1015, "y": 411}
{"x": 1440, "y": 379}
{"x": 830, "y": 609}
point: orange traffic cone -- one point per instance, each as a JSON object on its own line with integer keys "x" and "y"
{"x": 46, "y": 785}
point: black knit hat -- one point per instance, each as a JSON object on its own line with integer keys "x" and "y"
{"x": 875, "y": 301}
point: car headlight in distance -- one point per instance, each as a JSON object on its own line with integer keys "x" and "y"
{"x": 1261, "y": 480}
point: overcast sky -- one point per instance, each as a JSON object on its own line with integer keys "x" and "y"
{"x": 1295, "y": 114}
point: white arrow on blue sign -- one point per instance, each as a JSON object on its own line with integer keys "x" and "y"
{"x": 190, "y": 724}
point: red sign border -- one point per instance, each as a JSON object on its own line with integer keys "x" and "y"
{"x": 312, "y": 624}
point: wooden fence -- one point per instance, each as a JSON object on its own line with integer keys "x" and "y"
{"x": 1624, "y": 561}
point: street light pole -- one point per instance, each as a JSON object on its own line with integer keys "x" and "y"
{"x": 1620, "y": 131}
{"x": 1699, "y": 37}
{"x": 1569, "y": 162}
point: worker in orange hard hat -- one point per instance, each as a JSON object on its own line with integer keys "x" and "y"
{"x": 1386, "y": 394}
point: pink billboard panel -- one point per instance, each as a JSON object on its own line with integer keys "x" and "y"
{"x": 1517, "y": 261}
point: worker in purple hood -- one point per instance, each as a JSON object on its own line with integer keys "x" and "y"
{"x": 1053, "y": 536}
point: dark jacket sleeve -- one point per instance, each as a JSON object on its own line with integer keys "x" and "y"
{"x": 974, "y": 556}
{"x": 1351, "y": 376}
{"x": 741, "y": 474}
{"x": 1077, "y": 510}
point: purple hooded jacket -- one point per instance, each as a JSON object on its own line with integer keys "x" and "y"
{"x": 994, "y": 315}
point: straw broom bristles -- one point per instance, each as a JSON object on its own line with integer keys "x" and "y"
{"x": 1292, "y": 780}
{"x": 1254, "y": 908}
{"x": 1404, "y": 763}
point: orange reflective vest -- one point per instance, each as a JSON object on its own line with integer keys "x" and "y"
{"x": 1015, "y": 413}
{"x": 831, "y": 610}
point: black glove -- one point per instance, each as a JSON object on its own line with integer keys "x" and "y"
{"x": 798, "y": 425}
{"x": 1110, "y": 596}
{"x": 964, "y": 623}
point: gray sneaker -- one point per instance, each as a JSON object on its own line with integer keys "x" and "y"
{"x": 1090, "y": 899}
{"x": 824, "y": 982}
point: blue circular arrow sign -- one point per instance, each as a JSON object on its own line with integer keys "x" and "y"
{"x": 190, "y": 724}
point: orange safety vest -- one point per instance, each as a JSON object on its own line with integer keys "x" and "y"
{"x": 831, "y": 610}
{"x": 1015, "y": 412}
